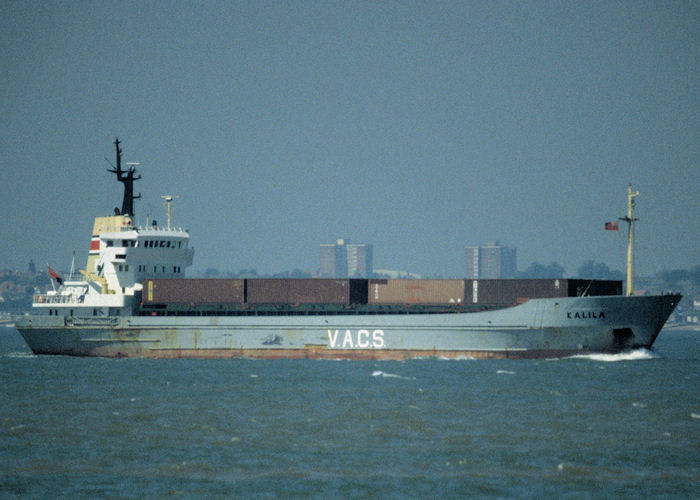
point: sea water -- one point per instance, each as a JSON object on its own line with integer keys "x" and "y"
{"x": 596, "y": 426}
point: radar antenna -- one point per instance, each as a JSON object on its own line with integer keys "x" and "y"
{"x": 168, "y": 200}
{"x": 127, "y": 177}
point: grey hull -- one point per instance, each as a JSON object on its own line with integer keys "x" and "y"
{"x": 538, "y": 328}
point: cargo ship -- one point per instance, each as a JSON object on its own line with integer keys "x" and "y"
{"x": 133, "y": 299}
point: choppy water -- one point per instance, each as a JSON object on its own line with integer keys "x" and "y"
{"x": 589, "y": 427}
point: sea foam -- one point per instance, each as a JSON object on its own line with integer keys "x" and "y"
{"x": 636, "y": 355}
{"x": 379, "y": 373}
{"x": 19, "y": 354}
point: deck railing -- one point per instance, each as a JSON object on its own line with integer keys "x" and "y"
{"x": 43, "y": 298}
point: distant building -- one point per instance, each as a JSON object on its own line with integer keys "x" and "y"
{"x": 359, "y": 260}
{"x": 491, "y": 261}
{"x": 334, "y": 260}
{"x": 342, "y": 260}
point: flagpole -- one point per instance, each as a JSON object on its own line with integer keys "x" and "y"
{"x": 630, "y": 238}
{"x": 72, "y": 267}
{"x": 53, "y": 285}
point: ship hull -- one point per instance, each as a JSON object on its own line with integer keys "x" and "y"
{"x": 539, "y": 328}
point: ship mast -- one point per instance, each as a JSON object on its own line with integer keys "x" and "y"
{"x": 630, "y": 238}
{"x": 126, "y": 177}
{"x": 168, "y": 199}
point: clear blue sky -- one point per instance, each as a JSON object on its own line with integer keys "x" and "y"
{"x": 418, "y": 127}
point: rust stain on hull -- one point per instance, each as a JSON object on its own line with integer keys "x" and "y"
{"x": 319, "y": 353}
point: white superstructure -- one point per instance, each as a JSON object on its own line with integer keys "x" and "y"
{"x": 121, "y": 256}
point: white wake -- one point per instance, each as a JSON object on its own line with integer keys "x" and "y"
{"x": 636, "y": 355}
{"x": 379, "y": 373}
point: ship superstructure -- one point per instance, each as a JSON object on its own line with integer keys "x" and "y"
{"x": 121, "y": 256}
{"x": 132, "y": 299}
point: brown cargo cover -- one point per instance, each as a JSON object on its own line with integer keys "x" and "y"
{"x": 193, "y": 291}
{"x": 429, "y": 291}
{"x": 513, "y": 291}
{"x": 298, "y": 291}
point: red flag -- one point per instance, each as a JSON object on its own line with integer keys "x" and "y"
{"x": 611, "y": 226}
{"x": 53, "y": 274}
